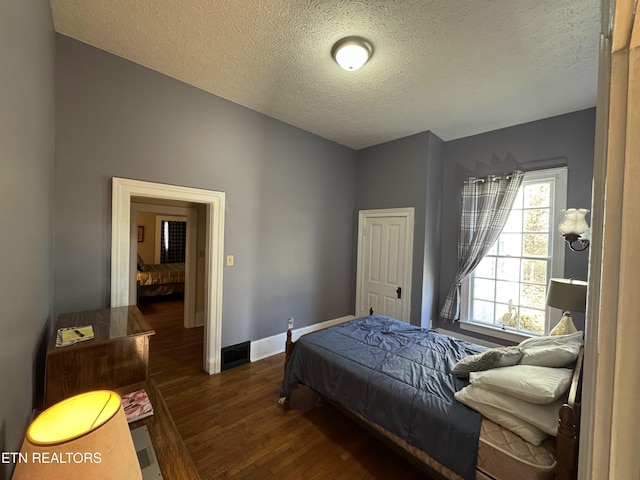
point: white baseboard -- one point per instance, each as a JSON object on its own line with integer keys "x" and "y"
{"x": 199, "y": 320}
{"x": 266, "y": 347}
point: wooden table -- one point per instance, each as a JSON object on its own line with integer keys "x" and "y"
{"x": 117, "y": 356}
{"x": 173, "y": 457}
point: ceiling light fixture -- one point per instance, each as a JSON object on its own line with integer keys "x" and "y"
{"x": 351, "y": 53}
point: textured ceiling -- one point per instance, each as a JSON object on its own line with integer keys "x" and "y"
{"x": 456, "y": 68}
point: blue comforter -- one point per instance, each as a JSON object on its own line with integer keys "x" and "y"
{"x": 398, "y": 376}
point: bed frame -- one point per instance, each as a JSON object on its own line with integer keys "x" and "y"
{"x": 568, "y": 428}
{"x": 162, "y": 289}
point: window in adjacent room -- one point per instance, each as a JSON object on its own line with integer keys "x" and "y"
{"x": 507, "y": 290}
{"x": 173, "y": 239}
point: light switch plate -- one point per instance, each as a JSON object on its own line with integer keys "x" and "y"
{"x": 230, "y": 260}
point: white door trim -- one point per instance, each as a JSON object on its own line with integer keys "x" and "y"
{"x": 363, "y": 215}
{"x": 122, "y": 191}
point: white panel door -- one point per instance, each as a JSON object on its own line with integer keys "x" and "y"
{"x": 384, "y": 262}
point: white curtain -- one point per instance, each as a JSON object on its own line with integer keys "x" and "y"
{"x": 610, "y": 437}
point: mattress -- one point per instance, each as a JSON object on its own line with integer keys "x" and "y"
{"x": 161, "y": 274}
{"x": 503, "y": 455}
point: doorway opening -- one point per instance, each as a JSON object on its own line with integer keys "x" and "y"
{"x": 168, "y": 263}
{"x": 123, "y": 190}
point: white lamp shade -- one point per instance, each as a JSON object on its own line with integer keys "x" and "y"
{"x": 574, "y": 221}
{"x": 352, "y": 53}
{"x": 81, "y": 437}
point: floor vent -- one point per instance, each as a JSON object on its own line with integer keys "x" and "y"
{"x": 235, "y": 355}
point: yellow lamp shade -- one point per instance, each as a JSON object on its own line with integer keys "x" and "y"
{"x": 85, "y": 436}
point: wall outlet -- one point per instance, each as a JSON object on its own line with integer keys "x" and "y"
{"x": 290, "y": 323}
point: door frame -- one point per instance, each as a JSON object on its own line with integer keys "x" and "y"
{"x": 122, "y": 191}
{"x": 409, "y": 214}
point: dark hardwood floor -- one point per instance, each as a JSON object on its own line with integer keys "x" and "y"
{"x": 233, "y": 427}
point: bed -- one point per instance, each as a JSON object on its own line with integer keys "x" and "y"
{"x": 396, "y": 380}
{"x": 160, "y": 279}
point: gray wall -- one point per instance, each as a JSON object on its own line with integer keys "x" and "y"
{"x": 290, "y": 196}
{"x": 403, "y": 173}
{"x": 433, "y": 226}
{"x": 26, "y": 197}
{"x": 565, "y": 140}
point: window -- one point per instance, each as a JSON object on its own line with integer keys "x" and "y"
{"x": 173, "y": 239}
{"x": 507, "y": 290}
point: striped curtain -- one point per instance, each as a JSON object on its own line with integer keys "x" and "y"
{"x": 173, "y": 236}
{"x": 486, "y": 204}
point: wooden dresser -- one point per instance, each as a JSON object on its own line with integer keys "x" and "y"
{"x": 117, "y": 356}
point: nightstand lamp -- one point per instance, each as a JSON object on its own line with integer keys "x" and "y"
{"x": 570, "y": 296}
{"x": 81, "y": 437}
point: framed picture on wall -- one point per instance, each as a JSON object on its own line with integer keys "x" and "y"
{"x": 140, "y": 233}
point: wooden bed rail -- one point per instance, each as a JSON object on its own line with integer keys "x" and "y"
{"x": 569, "y": 429}
{"x": 288, "y": 348}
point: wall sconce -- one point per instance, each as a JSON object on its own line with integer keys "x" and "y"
{"x": 574, "y": 228}
{"x": 85, "y": 436}
{"x": 351, "y": 53}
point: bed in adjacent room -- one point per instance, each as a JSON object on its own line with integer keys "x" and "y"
{"x": 159, "y": 279}
{"x": 423, "y": 392}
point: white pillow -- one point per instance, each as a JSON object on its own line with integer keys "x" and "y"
{"x": 534, "y": 384}
{"x": 543, "y": 417}
{"x": 551, "y": 351}
{"x": 521, "y": 428}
